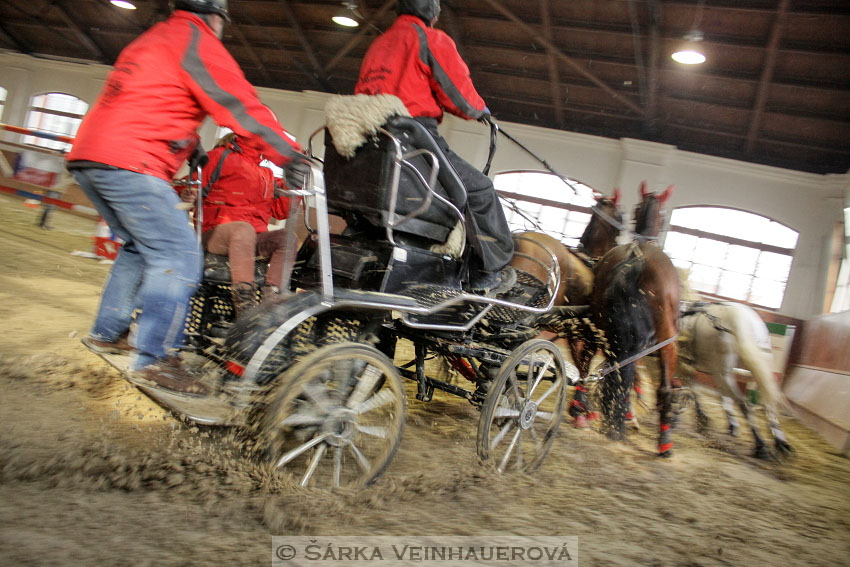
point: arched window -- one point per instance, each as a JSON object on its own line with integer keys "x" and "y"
{"x": 55, "y": 113}
{"x": 732, "y": 254}
{"x": 535, "y": 200}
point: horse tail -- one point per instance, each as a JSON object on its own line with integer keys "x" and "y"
{"x": 630, "y": 324}
{"x": 755, "y": 359}
{"x": 627, "y": 321}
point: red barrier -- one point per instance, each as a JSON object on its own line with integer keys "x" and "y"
{"x": 31, "y": 132}
{"x": 48, "y": 200}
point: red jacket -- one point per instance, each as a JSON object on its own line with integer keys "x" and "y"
{"x": 244, "y": 191}
{"x": 163, "y": 85}
{"x": 421, "y": 66}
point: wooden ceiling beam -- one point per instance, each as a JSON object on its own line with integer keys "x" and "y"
{"x": 766, "y": 74}
{"x": 9, "y": 37}
{"x": 552, "y": 62}
{"x": 447, "y": 16}
{"x": 499, "y": 7}
{"x": 302, "y": 39}
{"x": 81, "y": 34}
{"x": 652, "y": 80}
{"x": 251, "y": 52}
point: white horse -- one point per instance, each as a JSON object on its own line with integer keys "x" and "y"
{"x": 716, "y": 338}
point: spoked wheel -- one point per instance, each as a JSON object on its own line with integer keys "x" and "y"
{"x": 337, "y": 416}
{"x": 523, "y": 408}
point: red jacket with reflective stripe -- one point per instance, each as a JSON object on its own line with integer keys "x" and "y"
{"x": 163, "y": 85}
{"x": 244, "y": 191}
{"x": 422, "y": 67}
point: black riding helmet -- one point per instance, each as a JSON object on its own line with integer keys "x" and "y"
{"x": 428, "y": 10}
{"x": 204, "y": 7}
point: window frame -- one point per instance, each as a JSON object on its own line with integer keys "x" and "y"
{"x": 68, "y": 128}
{"x": 734, "y": 241}
{"x": 567, "y": 238}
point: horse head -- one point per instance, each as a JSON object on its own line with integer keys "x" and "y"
{"x": 604, "y": 227}
{"x": 649, "y": 213}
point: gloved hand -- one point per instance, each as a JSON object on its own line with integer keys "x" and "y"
{"x": 485, "y": 117}
{"x": 189, "y": 194}
{"x": 279, "y": 188}
{"x": 199, "y": 158}
{"x": 296, "y": 172}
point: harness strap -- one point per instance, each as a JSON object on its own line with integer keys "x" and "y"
{"x": 620, "y": 364}
{"x": 216, "y": 172}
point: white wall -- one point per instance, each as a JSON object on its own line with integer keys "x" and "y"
{"x": 808, "y": 203}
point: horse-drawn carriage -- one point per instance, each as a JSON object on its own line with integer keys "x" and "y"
{"x": 315, "y": 374}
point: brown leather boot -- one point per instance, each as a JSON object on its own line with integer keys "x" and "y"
{"x": 169, "y": 374}
{"x": 120, "y": 346}
{"x": 244, "y": 297}
{"x": 270, "y": 292}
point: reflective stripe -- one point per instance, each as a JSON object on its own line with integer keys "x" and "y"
{"x": 443, "y": 79}
{"x": 198, "y": 71}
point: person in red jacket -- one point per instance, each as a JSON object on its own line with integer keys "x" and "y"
{"x": 422, "y": 67}
{"x": 242, "y": 198}
{"x": 128, "y": 148}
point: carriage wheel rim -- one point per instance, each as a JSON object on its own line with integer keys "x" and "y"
{"x": 343, "y": 437}
{"x": 524, "y": 407}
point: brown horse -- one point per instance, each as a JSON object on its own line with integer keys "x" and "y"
{"x": 635, "y": 302}
{"x": 599, "y": 237}
{"x": 649, "y": 213}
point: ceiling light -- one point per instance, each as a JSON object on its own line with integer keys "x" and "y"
{"x": 690, "y": 53}
{"x": 123, "y": 4}
{"x": 346, "y": 17}
{"x": 345, "y": 21}
{"x": 688, "y": 57}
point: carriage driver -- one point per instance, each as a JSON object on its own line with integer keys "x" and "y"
{"x": 128, "y": 148}
{"x": 421, "y": 66}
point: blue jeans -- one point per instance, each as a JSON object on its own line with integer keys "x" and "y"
{"x": 158, "y": 267}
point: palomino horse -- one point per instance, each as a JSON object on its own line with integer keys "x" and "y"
{"x": 718, "y": 337}
{"x": 599, "y": 237}
{"x": 635, "y": 302}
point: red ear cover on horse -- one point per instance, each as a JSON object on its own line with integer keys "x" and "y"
{"x": 666, "y": 194}
{"x": 643, "y": 191}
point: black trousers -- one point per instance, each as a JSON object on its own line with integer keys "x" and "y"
{"x": 491, "y": 237}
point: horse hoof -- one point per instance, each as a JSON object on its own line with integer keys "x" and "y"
{"x": 733, "y": 432}
{"x": 580, "y": 422}
{"x": 784, "y": 448}
{"x": 761, "y": 453}
{"x": 666, "y": 454}
{"x": 633, "y": 425}
{"x": 615, "y": 434}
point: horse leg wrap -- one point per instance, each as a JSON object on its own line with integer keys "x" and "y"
{"x": 665, "y": 440}
{"x": 579, "y": 404}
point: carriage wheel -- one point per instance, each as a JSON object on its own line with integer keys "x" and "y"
{"x": 336, "y": 417}
{"x": 524, "y": 407}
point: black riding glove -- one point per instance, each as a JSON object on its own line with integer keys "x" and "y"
{"x": 199, "y": 158}
{"x": 296, "y": 172}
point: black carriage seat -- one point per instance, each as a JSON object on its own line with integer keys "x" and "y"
{"x": 362, "y": 184}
